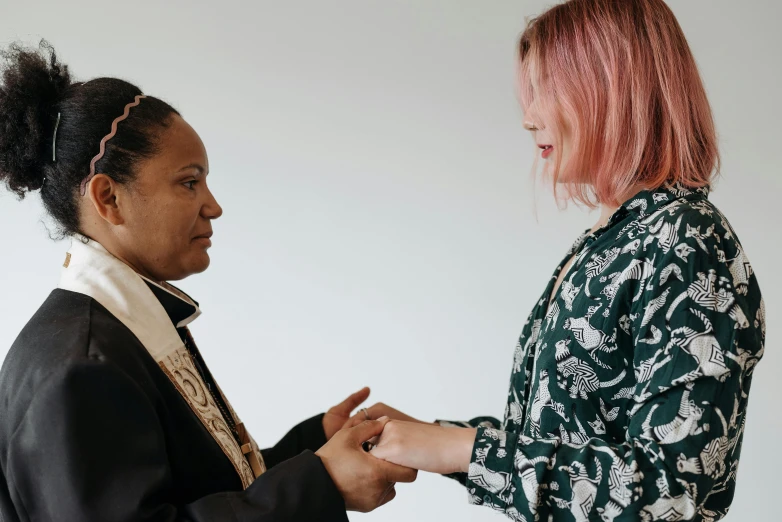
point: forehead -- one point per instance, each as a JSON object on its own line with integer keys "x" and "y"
{"x": 530, "y": 70}
{"x": 180, "y": 145}
{"x": 528, "y": 86}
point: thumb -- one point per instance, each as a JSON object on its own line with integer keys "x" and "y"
{"x": 368, "y": 429}
{"x": 351, "y": 403}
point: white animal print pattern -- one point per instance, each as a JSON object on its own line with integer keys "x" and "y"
{"x": 655, "y": 333}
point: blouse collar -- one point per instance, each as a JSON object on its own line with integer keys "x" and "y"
{"x": 646, "y": 202}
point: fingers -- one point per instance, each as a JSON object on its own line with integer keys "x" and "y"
{"x": 388, "y": 496}
{"x": 351, "y": 403}
{"x": 368, "y": 429}
{"x": 355, "y": 400}
{"x": 373, "y": 412}
{"x": 376, "y": 410}
{"x": 394, "y": 473}
{"x": 355, "y": 420}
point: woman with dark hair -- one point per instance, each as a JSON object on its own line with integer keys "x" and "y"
{"x": 109, "y": 412}
{"x": 630, "y": 380}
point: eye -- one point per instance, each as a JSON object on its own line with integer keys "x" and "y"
{"x": 190, "y": 184}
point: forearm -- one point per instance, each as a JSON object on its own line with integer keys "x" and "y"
{"x": 308, "y": 435}
{"x": 425, "y": 447}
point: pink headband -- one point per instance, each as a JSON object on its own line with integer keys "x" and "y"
{"x": 106, "y": 138}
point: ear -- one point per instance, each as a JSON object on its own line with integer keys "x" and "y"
{"x": 102, "y": 191}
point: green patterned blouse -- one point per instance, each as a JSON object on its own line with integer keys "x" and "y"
{"x": 628, "y": 394}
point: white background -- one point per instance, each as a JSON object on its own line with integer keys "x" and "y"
{"x": 381, "y": 224}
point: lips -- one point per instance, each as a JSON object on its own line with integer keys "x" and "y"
{"x": 546, "y": 150}
{"x": 204, "y": 239}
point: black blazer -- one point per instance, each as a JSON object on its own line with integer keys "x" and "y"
{"x": 91, "y": 429}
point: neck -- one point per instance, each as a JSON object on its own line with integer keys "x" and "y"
{"x": 606, "y": 210}
{"x": 113, "y": 247}
{"x": 605, "y": 214}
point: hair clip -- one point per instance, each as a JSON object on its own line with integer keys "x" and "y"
{"x": 54, "y": 139}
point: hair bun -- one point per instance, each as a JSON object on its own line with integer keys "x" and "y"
{"x": 33, "y": 82}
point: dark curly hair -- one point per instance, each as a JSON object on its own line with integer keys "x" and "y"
{"x": 35, "y": 88}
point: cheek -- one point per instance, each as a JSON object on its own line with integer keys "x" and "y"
{"x": 564, "y": 154}
{"x": 144, "y": 212}
{"x": 166, "y": 230}
{"x": 172, "y": 219}
{"x": 567, "y": 143}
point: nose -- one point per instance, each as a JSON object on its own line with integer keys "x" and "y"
{"x": 531, "y": 117}
{"x": 211, "y": 208}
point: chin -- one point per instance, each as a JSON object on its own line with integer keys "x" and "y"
{"x": 195, "y": 264}
{"x": 200, "y": 263}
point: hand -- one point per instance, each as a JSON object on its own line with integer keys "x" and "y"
{"x": 363, "y": 481}
{"x": 380, "y": 410}
{"x": 426, "y": 447}
{"x": 336, "y": 417}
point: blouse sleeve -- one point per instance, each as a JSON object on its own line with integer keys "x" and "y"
{"x": 699, "y": 332}
{"x": 484, "y": 422}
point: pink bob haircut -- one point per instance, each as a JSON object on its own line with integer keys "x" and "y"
{"x": 620, "y": 76}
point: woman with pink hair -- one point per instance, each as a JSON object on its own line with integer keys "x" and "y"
{"x": 631, "y": 376}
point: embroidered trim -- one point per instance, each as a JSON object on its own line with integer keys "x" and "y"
{"x": 180, "y": 368}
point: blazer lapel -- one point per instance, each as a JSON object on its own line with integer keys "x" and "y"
{"x": 91, "y": 270}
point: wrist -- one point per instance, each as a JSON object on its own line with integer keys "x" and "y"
{"x": 462, "y": 445}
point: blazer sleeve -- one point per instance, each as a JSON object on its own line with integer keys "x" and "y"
{"x": 90, "y": 448}
{"x": 308, "y": 435}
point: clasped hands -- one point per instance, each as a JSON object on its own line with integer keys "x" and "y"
{"x": 402, "y": 445}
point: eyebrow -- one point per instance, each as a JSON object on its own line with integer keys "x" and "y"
{"x": 195, "y": 166}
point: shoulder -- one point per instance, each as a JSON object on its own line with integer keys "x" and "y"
{"x": 696, "y": 256}
{"x": 54, "y": 336}
{"x": 70, "y": 338}
{"x": 691, "y": 229}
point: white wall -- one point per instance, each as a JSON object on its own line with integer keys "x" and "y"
{"x": 379, "y": 225}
